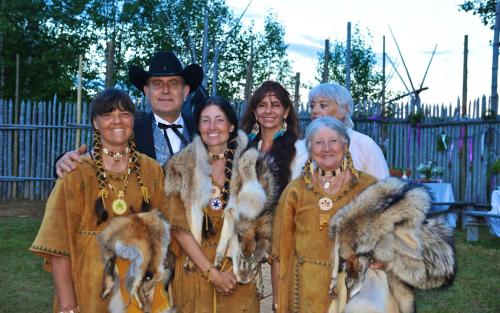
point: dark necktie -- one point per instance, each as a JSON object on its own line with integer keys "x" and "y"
{"x": 175, "y": 129}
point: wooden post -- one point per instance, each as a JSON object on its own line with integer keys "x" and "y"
{"x": 494, "y": 68}
{"x": 249, "y": 79}
{"x": 15, "y": 120}
{"x": 464, "y": 86}
{"x": 110, "y": 63}
{"x": 79, "y": 101}
{"x": 348, "y": 58}
{"x": 326, "y": 61}
{"x": 462, "y": 179}
{"x": 383, "y": 76}
{"x": 216, "y": 68}
{"x": 204, "y": 49}
{"x": 296, "y": 98}
{"x": 2, "y": 63}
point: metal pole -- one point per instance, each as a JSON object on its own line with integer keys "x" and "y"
{"x": 348, "y": 59}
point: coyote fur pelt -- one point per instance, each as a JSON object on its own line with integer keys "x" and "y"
{"x": 387, "y": 223}
{"x": 247, "y": 219}
{"x": 142, "y": 238}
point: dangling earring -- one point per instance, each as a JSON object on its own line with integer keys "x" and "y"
{"x": 255, "y": 131}
{"x": 349, "y": 164}
{"x": 282, "y": 131}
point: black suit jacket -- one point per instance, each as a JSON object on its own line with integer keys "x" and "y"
{"x": 143, "y": 131}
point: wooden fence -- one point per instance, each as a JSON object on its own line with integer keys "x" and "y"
{"x": 34, "y": 135}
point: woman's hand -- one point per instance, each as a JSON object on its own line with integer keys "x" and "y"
{"x": 68, "y": 161}
{"x": 225, "y": 283}
{"x": 377, "y": 265}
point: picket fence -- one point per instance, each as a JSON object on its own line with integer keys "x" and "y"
{"x": 36, "y": 133}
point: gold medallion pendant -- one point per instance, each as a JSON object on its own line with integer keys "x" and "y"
{"x": 325, "y": 204}
{"x": 119, "y": 206}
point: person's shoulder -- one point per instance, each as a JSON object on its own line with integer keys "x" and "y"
{"x": 83, "y": 169}
{"x": 295, "y": 185}
{"x": 360, "y": 137}
{"x": 142, "y": 116}
{"x": 300, "y": 146}
{"x": 147, "y": 160}
{"x": 366, "y": 179}
{"x": 184, "y": 158}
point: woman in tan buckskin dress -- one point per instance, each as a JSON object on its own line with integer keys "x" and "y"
{"x": 107, "y": 184}
{"x": 302, "y": 249}
{"x": 202, "y": 181}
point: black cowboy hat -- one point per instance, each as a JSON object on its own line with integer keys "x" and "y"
{"x": 166, "y": 64}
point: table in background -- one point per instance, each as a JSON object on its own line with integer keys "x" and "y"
{"x": 494, "y": 223}
{"x": 442, "y": 192}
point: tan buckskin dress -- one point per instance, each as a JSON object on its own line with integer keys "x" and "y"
{"x": 69, "y": 227}
{"x": 192, "y": 292}
{"x": 304, "y": 251}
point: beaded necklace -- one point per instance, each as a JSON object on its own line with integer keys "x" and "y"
{"x": 117, "y": 156}
{"x": 325, "y": 201}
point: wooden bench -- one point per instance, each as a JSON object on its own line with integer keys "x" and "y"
{"x": 479, "y": 219}
{"x": 457, "y": 207}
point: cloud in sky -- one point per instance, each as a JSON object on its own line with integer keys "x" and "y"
{"x": 417, "y": 25}
{"x": 305, "y": 50}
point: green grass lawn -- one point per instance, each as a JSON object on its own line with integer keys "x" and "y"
{"x": 26, "y": 287}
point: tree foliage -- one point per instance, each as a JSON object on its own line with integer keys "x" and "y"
{"x": 366, "y": 81}
{"x": 50, "y": 34}
{"x": 485, "y": 9}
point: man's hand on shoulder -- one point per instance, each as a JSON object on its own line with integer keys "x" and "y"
{"x": 67, "y": 162}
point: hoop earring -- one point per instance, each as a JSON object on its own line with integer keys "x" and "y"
{"x": 255, "y": 131}
{"x": 282, "y": 131}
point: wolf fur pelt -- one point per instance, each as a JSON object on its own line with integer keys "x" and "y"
{"x": 252, "y": 197}
{"x": 387, "y": 223}
{"x": 142, "y": 238}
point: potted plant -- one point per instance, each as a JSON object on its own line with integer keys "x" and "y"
{"x": 399, "y": 172}
{"x": 430, "y": 170}
{"x": 495, "y": 167}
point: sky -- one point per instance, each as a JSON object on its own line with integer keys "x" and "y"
{"x": 417, "y": 25}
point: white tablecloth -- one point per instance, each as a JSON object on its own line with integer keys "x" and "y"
{"x": 495, "y": 209}
{"x": 442, "y": 192}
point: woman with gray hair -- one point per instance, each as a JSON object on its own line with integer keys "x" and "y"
{"x": 301, "y": 245}
{"x": 330, "y": 99}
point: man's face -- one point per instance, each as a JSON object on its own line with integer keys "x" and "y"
{"x": 166, "y": 95}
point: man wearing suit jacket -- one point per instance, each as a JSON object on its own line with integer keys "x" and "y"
{"x": 164, "y": 131}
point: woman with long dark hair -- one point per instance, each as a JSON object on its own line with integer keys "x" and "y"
{"x": 273, "y": 127}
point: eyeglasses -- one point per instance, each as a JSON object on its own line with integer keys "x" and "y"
{"x": 171, "y": 84}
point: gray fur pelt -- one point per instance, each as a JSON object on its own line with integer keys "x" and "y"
{"x": 387, "y": 223}
{"x": 251, "y": 199}
{"x": 142, "y": 238}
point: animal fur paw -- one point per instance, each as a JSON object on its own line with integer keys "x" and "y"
{"x": 189, "y": 265}
{"x": 218, "y": 260}
{"x": 247, "y": 270}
